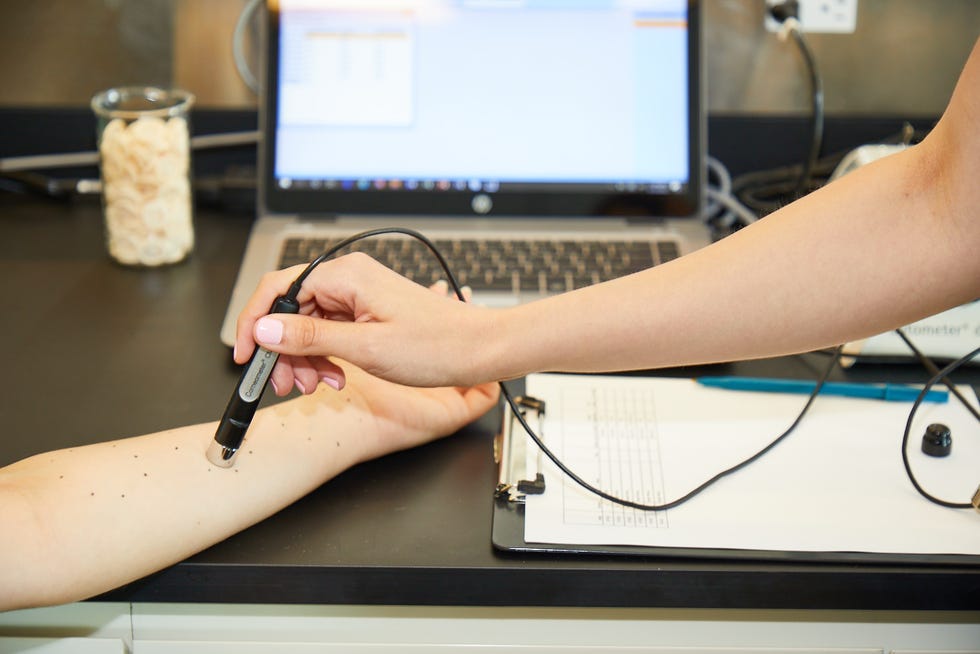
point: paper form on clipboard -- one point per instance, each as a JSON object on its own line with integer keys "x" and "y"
{"x": 837, "y": 484}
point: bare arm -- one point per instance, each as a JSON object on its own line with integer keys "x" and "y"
{"x": 884, "y": 246}
{"x": 82, "y": 521}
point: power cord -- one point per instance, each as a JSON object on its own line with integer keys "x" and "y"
{"x": 787, "y": 13}
{"x": 238, "y": 45}
{"x": 233, "y": 188}
{"x": 91, "y": 157}
{"x": 737, "y": 202}
{"x": 765, "y": 191}
{"x": 816, "y": 118}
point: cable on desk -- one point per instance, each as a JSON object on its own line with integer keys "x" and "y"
{"x": 293, "y": 292}
{"x": 934, "y": 370}
{"x": 941, "y": 374}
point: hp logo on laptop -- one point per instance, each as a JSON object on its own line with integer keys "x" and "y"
{"x": 481, "y": 203}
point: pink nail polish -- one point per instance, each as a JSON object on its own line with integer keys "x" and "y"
{"x": 268, "y": 330}
{"x": 331, "y": 382}
{"x": 299, "y": 385}
{"x": 274, "y": 386}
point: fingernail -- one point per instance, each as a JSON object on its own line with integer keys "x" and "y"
{"x": 274, "y": 386}
{"x": 441, "y": 285}
{"x": 268, "y": 331}
{"x": 234, "y": 352}
{"x": 299, "y": 385}
{"x": 331, "y": 382}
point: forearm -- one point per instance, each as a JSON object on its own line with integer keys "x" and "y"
{"x": 874, "y": 250}
{"x": 890, "y": 243}
{"x": 85, "y": 520}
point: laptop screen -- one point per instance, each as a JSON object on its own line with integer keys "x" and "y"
{"x": 510, "y": 107}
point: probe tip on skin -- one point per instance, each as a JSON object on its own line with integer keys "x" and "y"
{"x": 221, "y": 456}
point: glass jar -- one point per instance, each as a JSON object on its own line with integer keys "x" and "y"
{"x": 145, "y": 157}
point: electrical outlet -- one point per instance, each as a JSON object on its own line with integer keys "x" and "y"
{"x": 829, "y": 16}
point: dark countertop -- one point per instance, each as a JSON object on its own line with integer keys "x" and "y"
{"x": 95, "y": 351}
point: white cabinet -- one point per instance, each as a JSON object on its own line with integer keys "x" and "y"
{"x": 217, "y": 629}
{"x": 83, "y": 628}
{"x": 259, "y": 629}
{"x": 62, "y": 646}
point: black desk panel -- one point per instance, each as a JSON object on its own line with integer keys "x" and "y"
{"x": 95, "y": 351}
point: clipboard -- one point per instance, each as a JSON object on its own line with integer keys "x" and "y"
{"x": 516, "y": 480}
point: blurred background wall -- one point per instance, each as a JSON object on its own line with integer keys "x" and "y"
{"x": 903, "y": 59}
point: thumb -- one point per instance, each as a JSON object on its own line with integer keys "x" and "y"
{"x": 295, "y": 334}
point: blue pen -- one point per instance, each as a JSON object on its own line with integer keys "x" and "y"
{"x": 890, "y": 392}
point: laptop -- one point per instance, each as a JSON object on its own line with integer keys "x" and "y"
{"x": 542, "y": 144}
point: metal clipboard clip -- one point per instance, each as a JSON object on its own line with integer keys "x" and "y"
{"x": 519, "y": 475}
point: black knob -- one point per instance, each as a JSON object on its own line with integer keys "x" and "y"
{"x": 937, "y": 441}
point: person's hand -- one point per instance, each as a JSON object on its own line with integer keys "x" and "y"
{"x": 405, "y": 416}
{"x": 356, "y": 309}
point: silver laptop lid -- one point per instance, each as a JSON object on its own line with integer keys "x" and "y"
{"x": 483, "y": 107}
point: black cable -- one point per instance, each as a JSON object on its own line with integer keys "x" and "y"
{"x": 908, "y": 428}
{"x": 926, "y": 363}
{"x": 765, "y": 191}
{"x": 297, "y": 284}
{"x": 816, "y": 117}
{"x": 31, "y": 182}
{"x": 295, "y": 287}
{"x": 934, "y": 370}
{"x": 787, "y": 13}
{"x": 697, "y": 490}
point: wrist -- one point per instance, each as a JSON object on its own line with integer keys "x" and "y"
{"x": 504, "y": 343}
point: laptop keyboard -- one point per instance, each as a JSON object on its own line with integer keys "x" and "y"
{"x": 520, "y": 266}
